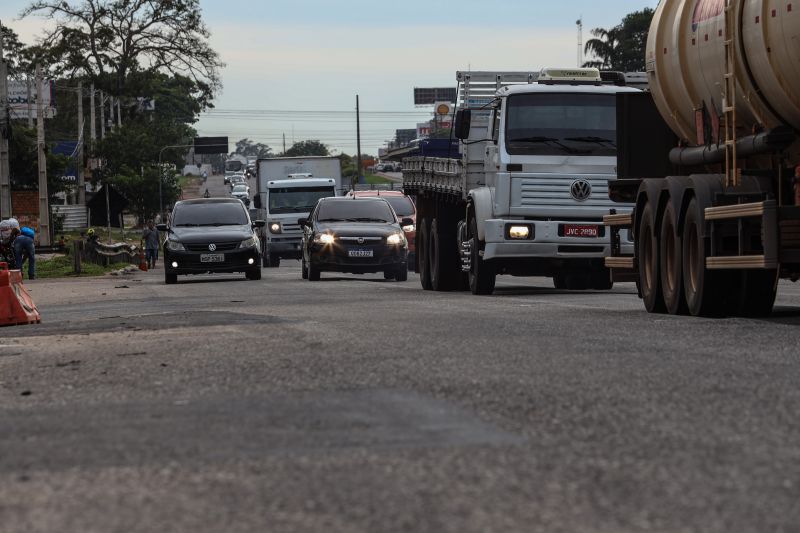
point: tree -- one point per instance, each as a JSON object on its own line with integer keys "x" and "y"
{"x": 106, "y": 41}
{"x": 23, "y": 163}
{"x": 306, "y": 148}
{"x": 141, "y": 190}
{"x": 246, "y": 147}
{"x": 623, "y": 46}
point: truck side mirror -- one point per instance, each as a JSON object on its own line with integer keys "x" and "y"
{"x": 462, "y": 125}
{"x": 257, "y": 201}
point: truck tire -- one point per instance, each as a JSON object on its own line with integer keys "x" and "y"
{"x": 758, "y": 291}
{"x": 423, "y": 267}
{"x": 482, "y": 276}
{"x": 647, "y": 252}
{"x": 700, "y": 284}
{"x": 671, "y": 263}
{"x": 313, "y": 272}
{"x": 272, "y": 260}
{"x": 441, "y": 258}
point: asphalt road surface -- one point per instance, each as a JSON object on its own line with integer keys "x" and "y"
{"x": 358, "y": 404}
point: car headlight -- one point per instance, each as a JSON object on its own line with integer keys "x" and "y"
{"x": 249, "y": 243}
{"x": 410, "y": 228}
{"x": 175, "y": 246}
{"x": 275, "y": 227}
{"x": 324, "y": 238}
{"x": 395, "y": 239}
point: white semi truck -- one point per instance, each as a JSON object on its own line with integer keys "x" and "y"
{"x": 287, "y": 188}
{"x": 528, "y": 193}
{"x": 716, "y": 222}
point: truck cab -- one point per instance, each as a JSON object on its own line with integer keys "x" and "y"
{"x": 281, "y": 205}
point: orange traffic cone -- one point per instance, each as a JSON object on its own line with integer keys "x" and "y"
{"x": 16, "y": 305}
{"x": 142, "y": 261}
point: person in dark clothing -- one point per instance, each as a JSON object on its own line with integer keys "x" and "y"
{"x": 24, "y": 249}
{"x": 151, "y": 242}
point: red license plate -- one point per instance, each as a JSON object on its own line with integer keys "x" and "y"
{"x": 577, "y": 230}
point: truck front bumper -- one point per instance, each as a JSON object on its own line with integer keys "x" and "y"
{"x": 547, "y": 243}
{"x": 287, "y": 247}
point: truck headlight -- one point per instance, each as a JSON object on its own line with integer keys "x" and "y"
{"x": 395, "y": 239}
{"x": 324, "y": 238}
{"x": 252, "y": 242}
{"x": 175, "y": 246}
{"x": 275, "y": 227}
{"x": 518, "y": 233}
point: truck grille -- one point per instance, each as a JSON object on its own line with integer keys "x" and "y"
{"x": 554, "y": 193}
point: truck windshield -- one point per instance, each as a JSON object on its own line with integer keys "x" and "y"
{"x": 559, "y": 124}
{"x": 297, "y": 199}
{"x": 233, "y": 166}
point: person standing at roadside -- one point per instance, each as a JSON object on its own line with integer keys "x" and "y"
{"x": 24, "y": 248}
{"x": 151, "y": 242}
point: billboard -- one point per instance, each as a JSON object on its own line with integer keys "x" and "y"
{"x": 210, "y": 145}
{"x": 431, "y": 95}
{"x": 18, "y": 98}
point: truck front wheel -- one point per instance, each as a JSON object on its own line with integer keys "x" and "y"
{"x": 482, "y": 275}
{"x": 424, "y": 267}
{"x": 647, "y": 252}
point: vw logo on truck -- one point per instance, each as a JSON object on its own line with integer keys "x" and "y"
{"x": 581, "y": 190}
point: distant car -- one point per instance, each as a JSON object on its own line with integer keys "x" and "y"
{"x": 242, "y": 192}
{"x": 212, "y": 235}
{"x": 355, "y": 235}
{"x": 237, "y": 179}
{"x": 404, "y": 208}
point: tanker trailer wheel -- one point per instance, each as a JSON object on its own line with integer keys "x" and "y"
{"x": 759, "y": 288}
{"x": 671, "y": 262}
{"x": 441, "y": 258}
{"x": 423, "y": 265}
{"x": 701, "y": 285}
{"x": 482, "y": 275}
{"x": 647, "y": 252}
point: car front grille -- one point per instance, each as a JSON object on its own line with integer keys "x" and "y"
{"x": 221, "y": 247}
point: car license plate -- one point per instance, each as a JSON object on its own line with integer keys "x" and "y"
{"x": 212, "y": 258}
{"x": 359, "y": 253}
{"x": 577, "y": 230}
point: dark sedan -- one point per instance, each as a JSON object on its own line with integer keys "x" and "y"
{"x": 355, "y": 235}
{"x": 211, "y": 236}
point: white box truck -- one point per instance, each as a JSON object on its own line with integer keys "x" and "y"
{"x": 287, "y": 188}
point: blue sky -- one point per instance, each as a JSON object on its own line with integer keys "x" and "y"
{"x": 294, "y": 68}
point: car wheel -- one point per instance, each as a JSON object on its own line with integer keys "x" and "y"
{"x": 303, "y": 269}
{"x": 313, "y": 272}
{"x": 254, "y": 274}
{"x": 402, "y": 274}
{"x": 389, "y": 274}
{"x": 170, "y": 279}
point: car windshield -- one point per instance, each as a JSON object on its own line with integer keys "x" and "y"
{"x": 402, "y": 205}
{"x": 240, "y": 188}
{"x": 356, "y": 211}
{"x": 233, "y": 166}
{"x": 558, "y": 124}
{"x": 210, "y": 214}
{"x": 297, "y": 199}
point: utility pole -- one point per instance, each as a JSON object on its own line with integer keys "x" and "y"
{"x": 102, "y": 115}
{"x": 119, "y": 115}
{"x": 79, "y": 154}
{"x": 284, "y": 144}
{"x": 92, "y": 116}
{"x": 579, "y": 23}
{"x": 30, "y": 101}
{"x": 111, "y": 113}
{"x": 44, "y": 205}
{"x": 358, "y": 138}
{"x": 5, "y": 173}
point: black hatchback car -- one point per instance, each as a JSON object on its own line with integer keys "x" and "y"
{"x": 209, "y": 236}
{"x": 356, "y": 235}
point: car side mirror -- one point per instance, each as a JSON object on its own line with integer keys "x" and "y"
{"x": 462, "y": 124}
{"x": 303, "y": 222}
{"x": 407, "y": 222}
{"x": 259, "y": 223}
{"x": 162, "y": 227}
